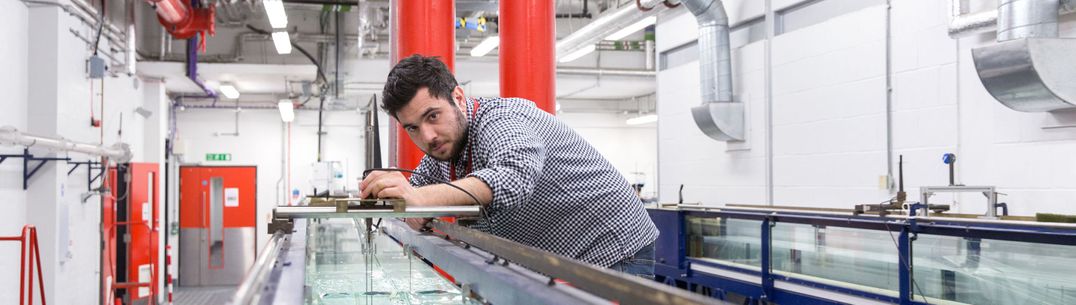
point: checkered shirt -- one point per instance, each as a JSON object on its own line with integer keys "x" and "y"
{"x": 551, "y": 189}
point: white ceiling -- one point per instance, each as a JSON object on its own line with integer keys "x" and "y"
{"x": 263, "y": 75}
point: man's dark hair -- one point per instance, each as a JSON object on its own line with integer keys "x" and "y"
{"x": 414, "y": 73}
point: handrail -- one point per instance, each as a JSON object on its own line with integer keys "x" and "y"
{"x": 249, "y": 291}
{"x": 779, "y": 211}
{"x": 29, "y": 234}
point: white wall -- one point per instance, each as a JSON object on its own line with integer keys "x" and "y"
{"x": 829, "y": 110}
{"x": 631, "y": 149}
{"x": 14, "y": 28}
{"x": 48, "y": 93}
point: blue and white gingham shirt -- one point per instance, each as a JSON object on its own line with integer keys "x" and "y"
{"x": 551, "y": 189}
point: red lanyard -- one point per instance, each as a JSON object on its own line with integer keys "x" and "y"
{"x": 470, "y": 153}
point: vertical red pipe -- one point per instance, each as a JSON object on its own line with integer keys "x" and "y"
{"x": 22, "y": 265}
{"x": 420, "y": 27}
{"x": 527, "y": 54}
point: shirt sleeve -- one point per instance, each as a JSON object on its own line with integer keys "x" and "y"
{"x": 515, "y": 157}
{"x": 426, "y": 169}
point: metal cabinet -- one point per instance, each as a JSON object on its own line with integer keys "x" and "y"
{"x": 217, "y": 221}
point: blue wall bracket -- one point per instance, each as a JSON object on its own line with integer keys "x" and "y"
{"x": 27, "y": 172}
{"x": 90, "y": 167}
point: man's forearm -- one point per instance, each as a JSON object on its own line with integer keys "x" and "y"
{"x": 441, "y": 194}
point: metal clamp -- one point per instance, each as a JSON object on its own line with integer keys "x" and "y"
{"x": 989, "y": 191}
{"x": 285, "y": 225}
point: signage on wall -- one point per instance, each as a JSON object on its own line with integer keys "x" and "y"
{"x": 231, "y": 197}
{"x": 218, "y": 157}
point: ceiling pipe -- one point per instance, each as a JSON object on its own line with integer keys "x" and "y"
{"x": 192, "y": 68}
{"x": 962, "y": 24}
{"x": 120, "y": 152}
{"x": 1029, "y": 69}
{"x": 182, "y": 20}
{"x": 719, "y": 117}
{"x": 604, "y": 25}
{"x": 605, "y": 72}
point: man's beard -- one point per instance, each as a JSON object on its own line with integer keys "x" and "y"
{"x": 461, "y": 140}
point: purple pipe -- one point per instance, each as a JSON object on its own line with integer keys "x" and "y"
{"x": 192, "y": 66}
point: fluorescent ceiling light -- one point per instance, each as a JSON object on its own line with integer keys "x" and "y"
{"x": 631, "y": 29}
{"x": 282, "y": 42}
{"x": 577, "y": 54}
{"x": 275, "y": 10}
{"x": 639, "y": 120}
{"x": 229, "y": 91}
{"x": 485, "y": 46}
{"x": 287, "y": 110}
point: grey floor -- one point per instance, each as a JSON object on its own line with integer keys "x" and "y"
{"x": 209, "y": 295}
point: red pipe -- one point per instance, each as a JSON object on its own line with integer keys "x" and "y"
{"x": 421, "y": 27}
{"x": 184, "y": 21}
{"x": 171, "y": 12}
{"x": 22, "y": 265}
{"x": 37, "y": 256}
{"x": 527, "y": 54}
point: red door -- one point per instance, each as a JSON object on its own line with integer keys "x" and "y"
{"x": 217, "y": 221}
{"x": 131, "y": 265}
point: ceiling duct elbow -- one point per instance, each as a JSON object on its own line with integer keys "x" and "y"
{"x": 719, "y": 117}
{"x": 1029, "y": 69}
{"x": 1029, "y": 74}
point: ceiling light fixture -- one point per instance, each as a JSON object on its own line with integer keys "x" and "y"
{"x": 287, "y": 110}
{"x": 229, "y": 91}
{"x": 275, "y": 10}
{"x": 643, "y": 119}
{"x": 485, "y": 46}
{"x": 631, "y": 29}
{"x": 282, "y": 42}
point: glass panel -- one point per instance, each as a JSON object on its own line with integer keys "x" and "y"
{"x": 342, "y": 268}
{"x": 680, "y": 55}
{"x": 216, "y": 222}
{"x": 977, "y": 271}
{"x": 723, "y": 239}
{"x": 854, "y": 258}
{"x": 809, "y": 13}
{"x": 148, "y": 208}
{"x": 747, "y": 32}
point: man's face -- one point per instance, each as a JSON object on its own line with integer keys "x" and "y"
{"x": 437, "y": 126}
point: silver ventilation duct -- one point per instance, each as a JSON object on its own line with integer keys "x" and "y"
{"x": 1029, "y": 69}
{"x": 718, "y": 117}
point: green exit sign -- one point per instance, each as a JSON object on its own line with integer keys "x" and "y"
{"x": 218, "y": 157}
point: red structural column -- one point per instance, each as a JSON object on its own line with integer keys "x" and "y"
{"x": 420, "y": 27}
{"x": 527, "y": 54}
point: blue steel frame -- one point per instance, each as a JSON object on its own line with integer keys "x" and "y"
{"x": 90, "y": 167}
{"x": 27, "y": 172}
{"x": 673, "y": 267}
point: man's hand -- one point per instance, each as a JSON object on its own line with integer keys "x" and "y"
{"x": 382, "y": 184}
{"x": 417, "y": 223}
